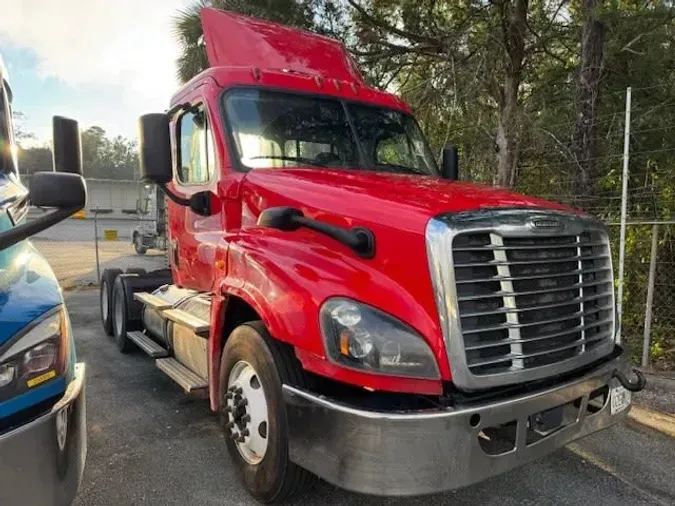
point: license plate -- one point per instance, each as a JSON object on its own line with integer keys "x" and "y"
{"x": 619, "y": 399}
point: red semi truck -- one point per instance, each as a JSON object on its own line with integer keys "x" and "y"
{"x": 349, "y": 309}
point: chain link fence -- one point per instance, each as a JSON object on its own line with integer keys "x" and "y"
{"x": 648, "y": 323}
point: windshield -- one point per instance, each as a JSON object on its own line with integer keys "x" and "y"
{"x": 273, "y": 129}
{"x": 392, "y": 140}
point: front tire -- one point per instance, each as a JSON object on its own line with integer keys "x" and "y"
{"x": 138, "y": 245}
{"x": 252, "y": 354}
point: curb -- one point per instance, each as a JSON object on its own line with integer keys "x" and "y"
{"x": 657, "y": 380}
{"x": 655, "y": 420}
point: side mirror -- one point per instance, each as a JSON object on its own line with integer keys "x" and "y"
{"x": 155, "y": 148}
{"x": 154, "y": 145}
{"x": 53, "y": 189}
{"x": 450, "y": 163}
{"x": 67, "y": 146}
{"x": 66, "y": 192}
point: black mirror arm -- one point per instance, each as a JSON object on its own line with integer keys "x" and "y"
{"x": 360, "y": 240}
{"x": 175, "y": 198}
{"x": 199, "y": 202}
{"x": 28, "y": 229}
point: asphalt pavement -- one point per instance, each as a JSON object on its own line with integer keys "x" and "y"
{"x": 149, "y": 444}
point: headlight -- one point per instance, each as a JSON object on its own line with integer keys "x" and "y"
{"x": 6, "y": 374}
{"x": 38, "y": 355}
{"x": 365, "y": 338}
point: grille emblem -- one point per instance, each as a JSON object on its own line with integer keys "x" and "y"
{"x": 546, "y": 223}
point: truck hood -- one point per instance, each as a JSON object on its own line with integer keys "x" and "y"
{"x": 401, "y": 201}
{"x": 28, "y": 287}
{"x": 397, "y": 280}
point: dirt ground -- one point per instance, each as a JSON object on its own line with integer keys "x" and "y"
{"x": 74, "y": 262}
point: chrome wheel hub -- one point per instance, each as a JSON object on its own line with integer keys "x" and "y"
{"x": 246, "y": 410}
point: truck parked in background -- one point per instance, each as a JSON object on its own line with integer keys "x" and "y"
{"x": 42, "y": 395}
{"x": 150, "y": 232}
{"x": 352, "y": 311}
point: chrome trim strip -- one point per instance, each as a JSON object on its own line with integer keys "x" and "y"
{"x": 440, "y": 234}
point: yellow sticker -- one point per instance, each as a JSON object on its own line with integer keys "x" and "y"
{"x": 41, "y": 379}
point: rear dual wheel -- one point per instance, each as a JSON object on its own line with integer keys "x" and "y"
{"x": 253, "y": 413}
{"x": 122, "y": 308}
{"x": 127, "y": 312}
{"x": 106, "y": 294}
{"x": 105, "y": 299}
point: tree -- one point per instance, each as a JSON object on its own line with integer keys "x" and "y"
{"x": 479, "y": 54}
{"x": 20, "y": 133}
{"x": 102, "y": 158}
{"x": 93, "y": 145}
{"x": 34, "y": 159}
{"x": 587, "y": 98}
{"x": 106, "y": 158}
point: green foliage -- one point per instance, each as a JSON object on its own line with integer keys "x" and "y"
{"x": 102, "y": 157}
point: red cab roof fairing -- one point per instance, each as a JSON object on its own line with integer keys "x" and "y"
{"x": 233, "y": 40}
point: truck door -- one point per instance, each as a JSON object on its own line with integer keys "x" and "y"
{"x": 194, "y": 238}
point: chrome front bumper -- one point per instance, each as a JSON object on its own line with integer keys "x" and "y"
{"x": 41, "y": 463}
{"x": 422, "y": 452}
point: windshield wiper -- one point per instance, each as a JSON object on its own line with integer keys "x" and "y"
{"x": 402, "y": 168}
{"x": 299, "y": 159}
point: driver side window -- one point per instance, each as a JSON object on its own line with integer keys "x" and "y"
{"x": 196, "y": 158}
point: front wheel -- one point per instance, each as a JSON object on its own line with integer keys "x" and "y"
{"x": 253, "y": 413}
{"x": 138, "y": 245}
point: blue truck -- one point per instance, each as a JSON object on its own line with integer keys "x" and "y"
{"x": 42, "y": 395}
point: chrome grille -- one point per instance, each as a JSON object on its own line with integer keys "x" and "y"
{"x": 531, "y": 301}
{"x": 518, "y": 303}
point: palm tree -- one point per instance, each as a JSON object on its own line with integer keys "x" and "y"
{"x": 187, "y": 27}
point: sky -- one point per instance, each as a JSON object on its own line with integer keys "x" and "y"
{"x": 103, "y": 63}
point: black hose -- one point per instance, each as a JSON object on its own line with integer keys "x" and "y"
{"x": 636, "y": 386}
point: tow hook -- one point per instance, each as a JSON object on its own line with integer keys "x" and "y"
{"x": 635, "y": 386}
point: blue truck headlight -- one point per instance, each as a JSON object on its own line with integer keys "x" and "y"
{"x": 361, "y": 337}
{"x": 39, "y": 354}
